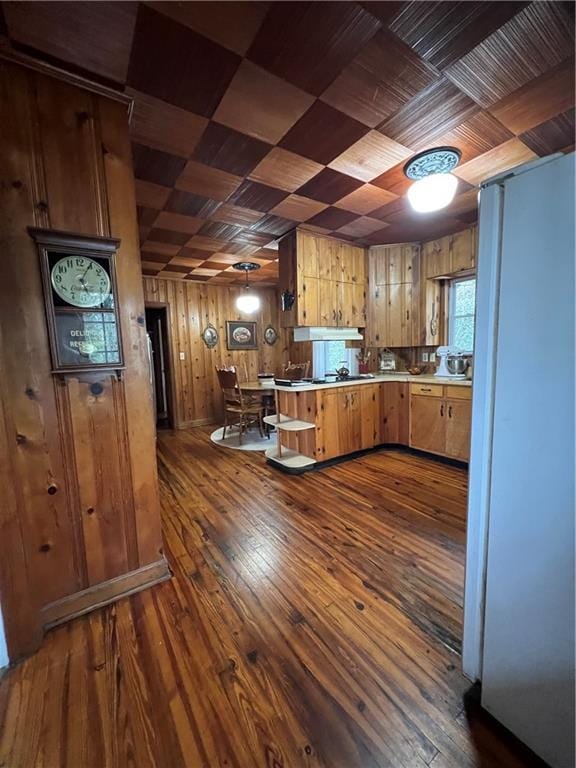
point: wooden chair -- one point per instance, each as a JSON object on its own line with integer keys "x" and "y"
{"x": 296, "y": 370}
{"x": 248, "y": 410}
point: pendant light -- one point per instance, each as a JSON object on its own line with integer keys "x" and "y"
{"x": 248, "y": 302}
{"x": 434, "y": 185}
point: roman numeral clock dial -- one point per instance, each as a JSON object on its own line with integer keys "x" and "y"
{"x": 80, "y": 281}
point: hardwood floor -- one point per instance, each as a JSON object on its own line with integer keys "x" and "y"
{"x": 311, "y": 621}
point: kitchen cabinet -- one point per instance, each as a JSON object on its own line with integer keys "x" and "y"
{"x": 327, "y": 278}
{"x": 394, "y": 413}
{"x": 440, "y": 420}
{"x": 393, "y": 296}
{"x": 369, "y": 416}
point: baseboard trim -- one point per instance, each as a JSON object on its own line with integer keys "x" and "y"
{"x": 106, "y": 592}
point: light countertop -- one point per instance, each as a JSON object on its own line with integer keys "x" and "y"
{"x": 379, "y": 378}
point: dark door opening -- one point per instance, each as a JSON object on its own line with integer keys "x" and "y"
{"x": 157, "y": 329}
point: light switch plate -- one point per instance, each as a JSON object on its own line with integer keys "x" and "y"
{"x": 424, "y": 357}
{"x": 182, "y": 356}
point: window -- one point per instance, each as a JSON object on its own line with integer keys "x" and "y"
{"x": 462, "y": 304}
{"x": 330, "y": 355}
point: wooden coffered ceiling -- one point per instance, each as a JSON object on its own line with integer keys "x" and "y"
{"x": 253, "y": 117}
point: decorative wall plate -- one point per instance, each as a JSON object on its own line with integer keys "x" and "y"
{"x": 270, "y": 335}
{"x": 210, "y": 336}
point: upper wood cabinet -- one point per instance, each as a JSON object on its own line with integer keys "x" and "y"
{"x": 393, "y": 296}
{"x": 327, "y": 278}
{"x": 449, "y": 255}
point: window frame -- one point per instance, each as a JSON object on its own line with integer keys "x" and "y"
{"x": 320, "y": 355}
{"x": 452, "y": 283}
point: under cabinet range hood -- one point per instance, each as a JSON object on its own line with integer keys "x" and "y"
{"x": 327, "y": 334}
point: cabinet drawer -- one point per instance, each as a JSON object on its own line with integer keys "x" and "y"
{"x": 459, "y": 393}
{"x": 429, "y": 390}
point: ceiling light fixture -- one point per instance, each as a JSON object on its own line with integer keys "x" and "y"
{"x": 434, "y": 185}
{"x": 248, "y": 302}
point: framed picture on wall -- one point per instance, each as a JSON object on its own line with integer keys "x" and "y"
{"x": 240, "y": 335}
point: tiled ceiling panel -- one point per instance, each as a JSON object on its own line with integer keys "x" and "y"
{"x": 251, "y": 118}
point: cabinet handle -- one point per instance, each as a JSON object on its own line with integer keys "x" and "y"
{"x": 407, "y": 314}
{"x": 340, "y": 314}
{"x": 449, "y": 411}
{"x": 425, "y": 389}
{"x": 442, "y": 409}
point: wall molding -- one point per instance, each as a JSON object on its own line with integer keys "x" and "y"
{"x": 99, "y": 595}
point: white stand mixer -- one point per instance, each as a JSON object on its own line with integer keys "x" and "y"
{"x": 445, "y": 354}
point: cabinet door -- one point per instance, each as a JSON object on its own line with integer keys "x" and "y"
{"x": 399, "y": 319}
{"x": 329, "y": 302}
{"x": 352, "y": 264}
{"x": 436, "y": 258}
{"x": 369, "y": 416}
{"x": 308, "y": 302}
{"x": 394, "y": 413}
{"x": 307, "y": 254}
{"x": 458, "y": 420}
{"x": 331, "y": 423}
{"x": 328, "y": 259}
{"x": 352, "y": 305}
{"x": 463, "y": 250}
{"x": 376, "y": 320}
{"x": 351, "y": 429}
{"x": 428, "y": 424}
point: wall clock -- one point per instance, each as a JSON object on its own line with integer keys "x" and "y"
{"x": 80, "y": 298}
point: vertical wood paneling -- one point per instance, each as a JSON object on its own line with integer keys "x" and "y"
{"x": 191, "y": 306}
{"x": 81, "y": 481}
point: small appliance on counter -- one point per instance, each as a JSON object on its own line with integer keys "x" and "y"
{"x": 453, "y": 363}
{"x": 387, "y": 361}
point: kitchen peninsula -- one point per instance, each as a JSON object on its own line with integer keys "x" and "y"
{"x": 321, "y": 422}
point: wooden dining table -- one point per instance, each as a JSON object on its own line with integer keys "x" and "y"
{"x": 260, "y": 386}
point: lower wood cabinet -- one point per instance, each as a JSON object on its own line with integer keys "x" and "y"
{"x": 440, "y": 420}
{"x": 430, "y": 417}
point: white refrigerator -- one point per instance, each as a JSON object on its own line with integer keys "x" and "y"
{"x": 519, "y": 597}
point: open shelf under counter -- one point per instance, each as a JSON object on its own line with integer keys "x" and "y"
{"x": 281, "y": 421}
{"x": 289, "y": 459}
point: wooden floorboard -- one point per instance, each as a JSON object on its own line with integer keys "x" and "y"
{"x": 311, "y": 621}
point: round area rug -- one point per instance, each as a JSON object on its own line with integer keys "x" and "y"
{"x": 251, "y": 440}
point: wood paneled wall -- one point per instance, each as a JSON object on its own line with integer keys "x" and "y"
{"x": 79, "y": 517}
{"x": 191, "y": 306}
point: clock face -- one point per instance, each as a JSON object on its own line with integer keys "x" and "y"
{"x": 80, "y": 281}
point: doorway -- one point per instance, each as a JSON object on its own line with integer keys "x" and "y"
{"x": 157, "y": 330}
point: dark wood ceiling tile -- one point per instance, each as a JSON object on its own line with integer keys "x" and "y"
{"x": 171, "y": 267}
{"x": 205, "y": 243}
{"x": 190, "y": 205}
{"x": 96, "y": 37}
{"x": 332, "y": 218}
{"x": 274, "y": 225}
{"x": 197, "y": 255}
{"x": 158, "y": 235}
{"x": 552, "y": 136}
{"x": 443, "y": 32}
{"x": 178, "y": 223}
{"x": 531, "y": 43}
{"x": 176, "y": 64}
{"x": 434, "y": 111}
{"x": 383, "y": 11}
{"x": 381, "y": 79}
{"x": 416, "y": 231}
{"x": 285, "y": 170}
{"x": 159, "y": 249}
{"x": 151, "y": 195}
{"x": 233, "y": 24}
{"x": 481, "y": 133}
{"x": 229, "y": 150}
{"x": 235, "y": 214}
{"x": 394, "y": 180}
{"x": 258, "y": 197}
{"x": 329, "y": 186}
{"x": 254, "y": 239}
{"x": 149, "y": 254}
{"x": 155, "y": 166}
{"x": 298, "y": 208}
{"x": 365, "y": 199}
{"x": 146, "y": 216}
{"x": 323, "y": 133}
{"x": 196, "y": 278}
{"x": 370, "y": 156}
{"x": 275, "y": 105}
{"x": 219, "y": 230}
{"x": 309, "y": 43}
{"x": 539, "y": 100}
{"x": 186, "y": 261}
{"x": 163, "y": 126}
{"x": 240, "y": 249}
